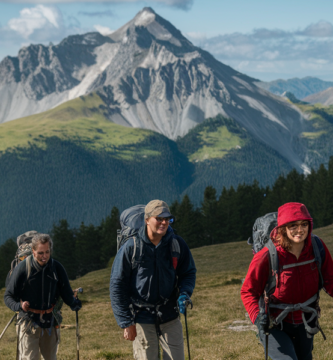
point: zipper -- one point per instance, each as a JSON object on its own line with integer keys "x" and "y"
{"x": 48, "y": 304}
{"x": 43, "y": 287}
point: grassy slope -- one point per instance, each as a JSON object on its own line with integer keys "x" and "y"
{"x": 215, "y": 145}
{"x": 216, "y": 301}
{"x": 80, "y": 120}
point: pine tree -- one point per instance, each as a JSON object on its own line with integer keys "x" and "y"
{"x": 292, "y": 191}
{"x": 275, "y": 197}
{"x": 188, "y": 223}
{"x": 248, "y": 201}
{"x": 109, "y": 228}
{"x": 87, "y": 247}
{"x": 7, "y": 254}
{"x": 210, "y": 215}
{"x": 321, "y": 210}
{"x": 308, "y": 186}
{"x": 64, "y": 247}
{"x": 229, "y": 217}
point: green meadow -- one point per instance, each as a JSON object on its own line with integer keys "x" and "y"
{"x": 81, "y": 121}
{"x": 217, "y": 313}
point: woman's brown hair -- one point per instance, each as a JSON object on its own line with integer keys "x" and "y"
{"x": 282, "y": 238}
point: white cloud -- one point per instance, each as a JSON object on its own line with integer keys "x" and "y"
{"x": 266, "y": 51}
{"x": 320, "y": 29}
{"x": 31, "y": 19}
{"x": 104, "y": 30}
{"x": 38, "y": 24}
{"x": 195, "y": 35}
{"x": 182, "y": 4}
{"x": 100, "y": 14}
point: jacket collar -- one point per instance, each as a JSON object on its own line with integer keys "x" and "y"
{"x": 165, "y": 239}
{"x": 39, "y": 267}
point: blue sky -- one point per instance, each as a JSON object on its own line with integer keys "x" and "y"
{"x": 264, "y": 39}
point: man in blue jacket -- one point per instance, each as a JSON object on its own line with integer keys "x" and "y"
{"x": 153, "y": 275}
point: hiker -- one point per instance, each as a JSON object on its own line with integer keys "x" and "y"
{"x": 293, "y": 306}
{"x": 34, "y": 287}
{"x": 152, "y": 276}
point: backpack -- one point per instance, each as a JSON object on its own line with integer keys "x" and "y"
{"x": 24, "y": 250}
{"x": 261, "y": 238}
{"x": 131, "y": 220}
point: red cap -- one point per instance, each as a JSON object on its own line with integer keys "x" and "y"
{"x": 290, "y": 212}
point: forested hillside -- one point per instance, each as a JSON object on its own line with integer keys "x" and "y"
{"x": 72, "y": 163}
{"x": 221, "y": 217}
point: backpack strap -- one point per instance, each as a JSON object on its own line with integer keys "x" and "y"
{"x": 319, "y": 253}
{"x": 28, "y": 266}
{"x": 175, "y": 252}
{"x": 273, "y": 267}
{"x": 137, "y": 251}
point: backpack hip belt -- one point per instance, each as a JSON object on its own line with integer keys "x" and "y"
{"x": 287, "y": 308}
{"x": 153, "y": 309}
{"x": 42, "y": 312}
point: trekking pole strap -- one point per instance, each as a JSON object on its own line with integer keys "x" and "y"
{"x": 287, "y": 308}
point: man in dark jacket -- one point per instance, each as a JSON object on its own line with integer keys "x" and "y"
{"x": 34, "y": 287}
{"x": 152, "y": 273}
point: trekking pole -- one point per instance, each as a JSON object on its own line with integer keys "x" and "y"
{"x": 76, "y": 291}
{"x": 187, "y": 337}
{"x": 266, "y": 332}
{"x": 7, "y": 326}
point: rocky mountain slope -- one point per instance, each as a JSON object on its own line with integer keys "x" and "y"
{"x": 323, "y": 97}
{"x": 149, "y": 76}
{"x": 73, "y": 163}
{"x": 301, "y": 88}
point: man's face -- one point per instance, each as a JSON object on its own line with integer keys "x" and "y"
{"x": 158, "y": 225}
{"x": 42, "y": 253}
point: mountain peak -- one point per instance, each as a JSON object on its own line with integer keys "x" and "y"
{"x": 145, "y": 17}
{"x": 148, "y": 20}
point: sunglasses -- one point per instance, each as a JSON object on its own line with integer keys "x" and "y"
{"x": 294, "y": 227}
{"x": 169, "y": 219}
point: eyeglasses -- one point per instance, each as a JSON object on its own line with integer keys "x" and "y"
{"x": 167, "y": 219}
{"x": 294, "y": 227}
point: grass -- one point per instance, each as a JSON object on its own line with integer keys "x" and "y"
{"x": 316, "y": 115}
{"x": 217, "y": 305}
{"x": 313, "y": 135}
{"x": 81, "y": 120}
{"x": 215, "y": 145}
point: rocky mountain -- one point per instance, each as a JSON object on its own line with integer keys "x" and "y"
{"x": 149, "y": 76}
{"x": 301, "y": 88}
{"x": 323, "y": 97}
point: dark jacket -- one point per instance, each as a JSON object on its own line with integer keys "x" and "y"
{"x": 152, "y": 280}
{"x": 41, "y": 290}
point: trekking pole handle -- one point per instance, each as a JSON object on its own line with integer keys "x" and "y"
{"x": 189, "y": 303}
{"x": 78, "y": 291}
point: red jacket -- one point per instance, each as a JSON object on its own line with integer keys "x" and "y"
{"x": 295, "y": 285}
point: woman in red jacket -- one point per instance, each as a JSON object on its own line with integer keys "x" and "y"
{"x": 293, "y": 307}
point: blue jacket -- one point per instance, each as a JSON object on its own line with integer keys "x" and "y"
{"x": 152, "y": 280}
